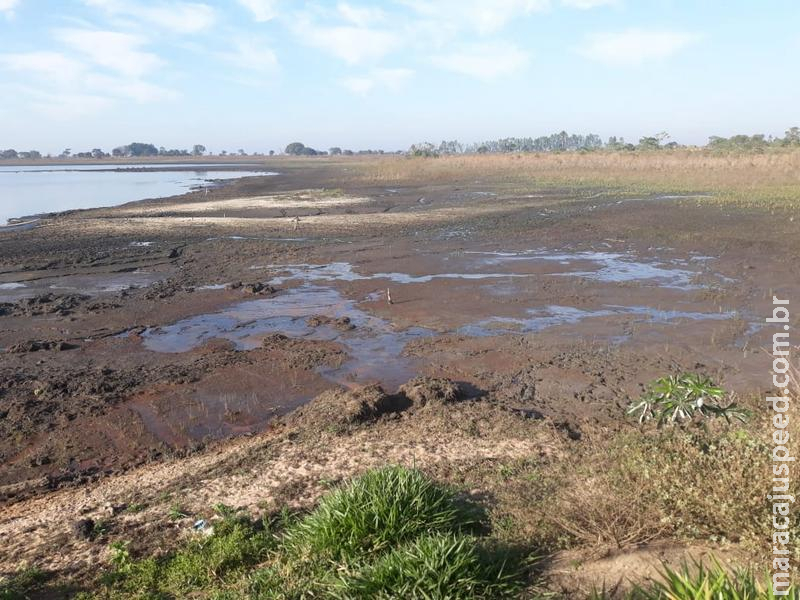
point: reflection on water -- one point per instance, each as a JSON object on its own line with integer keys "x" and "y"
{"x": 107, "y": 283}
{"x": 609, "y": 267}
{"x": 26, "y": 191}
{"x": 374, "y": 347}
{"x": 552, "y": 316}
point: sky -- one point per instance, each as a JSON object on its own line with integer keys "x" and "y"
{"x": 259, "y": 74}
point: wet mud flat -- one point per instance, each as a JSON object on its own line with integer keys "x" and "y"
{"x": 155, "y": 329}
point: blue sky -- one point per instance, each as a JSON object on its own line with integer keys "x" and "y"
{"x": 257, "y": 74}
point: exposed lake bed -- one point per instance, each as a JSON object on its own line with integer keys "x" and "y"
{"x": 136, "y": 334}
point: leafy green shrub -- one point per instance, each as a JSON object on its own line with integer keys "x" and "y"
{"x": 437, "y": 566}
{"x": 379, "y": 510}
{"x": 679, "y": 398}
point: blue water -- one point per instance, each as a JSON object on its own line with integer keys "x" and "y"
{"x": 26, "y": 191}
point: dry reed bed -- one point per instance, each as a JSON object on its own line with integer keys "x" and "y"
{"x": 771, "y": 176}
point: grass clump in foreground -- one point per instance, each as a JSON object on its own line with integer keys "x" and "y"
{"x": 392, "y": 533}
{"x": 700, "y": 582}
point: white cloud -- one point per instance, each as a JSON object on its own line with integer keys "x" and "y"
{"x": 52, "y": 66}
{"x": 120, "y": 52}
{"x": 352, "y": 44}
{"x": 69, "y": 106}
{"x": 360, "y": 15}
{"x": 262, "y": 10}
{"x": 123, "y": 87}
{"x": 477, "y": 15}
{"x": 589, "y": 4}
{"x": 252, "y": 54}
{"x": 179, "y": 17}
{"x": 392, "y": 79}
{"x": 101, "y": 69}
{"x": 635, "y": 46}
{"x": 484, "y": 61}
{"x": 7, "y": 7}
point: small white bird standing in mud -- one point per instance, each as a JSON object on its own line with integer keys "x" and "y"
{"x": 296, "y": 222}
{"x": 389, "y": 296}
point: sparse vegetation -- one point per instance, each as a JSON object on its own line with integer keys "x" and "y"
{"x": 19, "y": 586}
{"x": 702, "y": 582}
{"x": 391, "y": 533}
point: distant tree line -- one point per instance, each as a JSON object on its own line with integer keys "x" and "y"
{"x": 300, "y": 149}
{"x": 132, "y": 150}
{"x": 565, "y": 142}
{"x": 557, "y": 142}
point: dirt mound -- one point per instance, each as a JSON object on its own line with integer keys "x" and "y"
{"x": 340, "y": 409}
{"x": 36, "y": 346}
{"x": 424, "y": 391}
{"x": 342, "y": 323}
{"x": 253, "y": 289}
{"x": 46, "y": 304}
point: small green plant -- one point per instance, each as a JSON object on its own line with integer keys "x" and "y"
{"x": 678, "y": 398}
{"x": 175, "y": 513}
{"x": 697, "y": 581}
{"x": 225, "y": 511}
{"x": 135, "y": 507}
{"x": 120, "y": 556}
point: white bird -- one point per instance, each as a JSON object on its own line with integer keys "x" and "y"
{"x": 389, "y": 296}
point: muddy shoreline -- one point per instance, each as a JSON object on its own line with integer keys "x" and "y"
{"x": 156, "y": 328}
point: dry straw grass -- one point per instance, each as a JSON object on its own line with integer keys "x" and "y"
{"x": 770, "y": 177}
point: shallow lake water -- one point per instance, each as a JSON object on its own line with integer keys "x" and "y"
{"x": 31, "y": 190}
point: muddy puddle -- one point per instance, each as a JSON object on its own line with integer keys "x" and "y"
{"x": 373, "y": 345}
{"x": 609, "y": 267}
{"x": 600, "y": 266}
{"x": 341, "y": 271}
{"x": 553, "y": 316}
{"x": 78, "y": 284}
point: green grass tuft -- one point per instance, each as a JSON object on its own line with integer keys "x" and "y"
{"x": 438, "y": 566}
{"x": 377, "y": 511}
{"x": 698, "y": 581}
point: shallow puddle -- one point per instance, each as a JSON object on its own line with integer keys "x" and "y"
{"x": 612, "y": 267}
{"x": 607, "y": 267}
{"x": 374, "y": 347}
{"x": 553, "y": 316}
{"x": 342, "y": 271}
{"x": 78, "y": 284}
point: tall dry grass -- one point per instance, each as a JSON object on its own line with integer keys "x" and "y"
{"x": 772, "y": 177}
